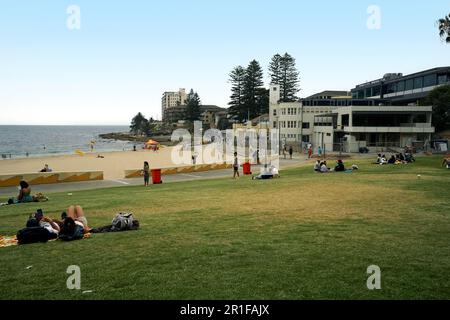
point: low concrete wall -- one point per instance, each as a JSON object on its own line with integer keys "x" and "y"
{"x": 136, "y": 173}
{"x": 12, "y": 180}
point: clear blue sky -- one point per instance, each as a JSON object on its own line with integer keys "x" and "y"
{"x": 128, "y": 52}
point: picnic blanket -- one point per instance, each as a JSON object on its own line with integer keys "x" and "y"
{"x": 7, "y": 241}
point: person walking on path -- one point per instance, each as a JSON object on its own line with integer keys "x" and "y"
{"x": 291, "y": 151}
{"x": 284, "y": 152}
{"x": 319, "y": 151}
{"x": 310, "y": 151}
{"x": 235, "y": 166}
{"x": 146, "y": 172}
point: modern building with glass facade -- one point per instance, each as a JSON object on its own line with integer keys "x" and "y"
{"x": 380, "y": 115}
{"x": 397, "y": 89}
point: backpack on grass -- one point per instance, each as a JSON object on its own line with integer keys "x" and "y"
{"x": 34, "y": 235}
{"x": 122, "y": 221}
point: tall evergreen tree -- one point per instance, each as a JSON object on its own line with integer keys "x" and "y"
{"x": 274, "y": 69}
{"x": 236, "y": 104}
{"x": 253, "y": 82}
{"x": 193, "y": 106}
{"x": 282, "y": 71}
{"x": 262, "y": 101}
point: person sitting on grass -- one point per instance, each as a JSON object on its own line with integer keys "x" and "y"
{"x": 379, "y": 159}
{"x": 317, "y": 166}
{"x": 24, "y": 194}
{"x": 409, "y": 157}
{"x": 324, "y": 168}
{"x": 391, "y": 160}
{"x": 339, "y": 166}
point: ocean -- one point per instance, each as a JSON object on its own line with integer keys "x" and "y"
{"x": 38, "y": 141}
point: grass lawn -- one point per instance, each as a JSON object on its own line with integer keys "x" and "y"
{"x": 303, "y": 236}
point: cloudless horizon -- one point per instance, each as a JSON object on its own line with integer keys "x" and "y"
{"x": 127, "y": 53}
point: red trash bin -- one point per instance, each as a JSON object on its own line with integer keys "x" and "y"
{"x": 246, "y": 168}
{"x": 156, "y": 176}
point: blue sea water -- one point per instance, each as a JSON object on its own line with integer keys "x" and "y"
{"x": 37, "y": 141}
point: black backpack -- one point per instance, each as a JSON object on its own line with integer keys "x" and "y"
{"x": 34, "y": 235}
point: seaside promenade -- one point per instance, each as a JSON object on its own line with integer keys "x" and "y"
{"x": 120, "y": 182}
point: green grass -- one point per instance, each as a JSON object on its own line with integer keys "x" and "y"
{"x": 303, "y": 236}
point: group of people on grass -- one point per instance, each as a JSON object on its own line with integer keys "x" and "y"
{"x": 322, "y": 167}
{"x": 399, "y": 158}
{"x": 72, "y": 225}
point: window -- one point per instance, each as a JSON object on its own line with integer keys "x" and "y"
{"x": 274, "y": 112}
{"x": 430, "y": 80}
{"x": 391, "y": 88}
{"x": 401, "y": 86}
{"x": 283, "y": 111}
{"x": 409, "y": 85}
{"x": 305, "y": 125}
{"x": 368, "y": 92}
{"x": 274, "y": 124}
{"x": 274, "y": 88}
{"x": 442, "y": 78}
{"x": 376, "y": 91}
{"x": 361, "y": 94}
{"x": 418, "y": 83}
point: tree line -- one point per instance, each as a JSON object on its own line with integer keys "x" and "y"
{"x": 249, "y": 98}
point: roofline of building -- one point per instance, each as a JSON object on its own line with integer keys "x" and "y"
{"x": 403, "y": 77}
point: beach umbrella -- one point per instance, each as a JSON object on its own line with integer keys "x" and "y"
{"x": 152, "y": 142}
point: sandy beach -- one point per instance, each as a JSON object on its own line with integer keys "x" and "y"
{"x": 113, "y": 164}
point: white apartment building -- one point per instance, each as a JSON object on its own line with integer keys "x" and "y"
{"x": 173, "y": 99}
{"x": 295, "y": 121}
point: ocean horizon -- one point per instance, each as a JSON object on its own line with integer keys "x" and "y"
{"x": 22, "y": 141}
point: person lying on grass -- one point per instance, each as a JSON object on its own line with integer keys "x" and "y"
{"x": 74, "y": 224}
{"x": 446, "y": 162}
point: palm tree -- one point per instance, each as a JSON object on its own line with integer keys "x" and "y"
{"x": 444, "y": 28}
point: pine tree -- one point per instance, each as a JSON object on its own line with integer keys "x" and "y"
{"x": 274, "y": 69}
{"x": 236, "y": 104}
{"x": 193, "y": 106}
{"x": 253, "y": 82}
{"x": 282, "y": 71}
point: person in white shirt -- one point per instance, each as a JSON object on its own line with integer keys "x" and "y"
{"x": 50, "y": 225}
{"x": 324, "y": 168}
{"x": 317, "y": 166}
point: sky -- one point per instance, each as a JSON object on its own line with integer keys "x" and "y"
{"x": 127, "y": 53}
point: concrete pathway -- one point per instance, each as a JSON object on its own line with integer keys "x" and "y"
{"x": 7, "y": 192}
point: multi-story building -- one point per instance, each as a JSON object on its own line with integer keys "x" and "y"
{"x": 296, "y": 119}
{"x": 397, "y": 89}
{"x": 378, "y": 115}
{"x": 378, "y": 128}
{"x": 172, "y": 100}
